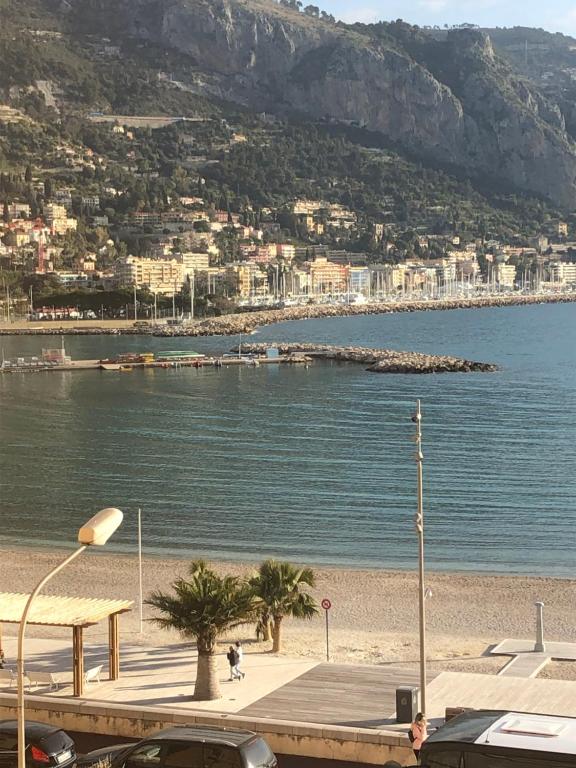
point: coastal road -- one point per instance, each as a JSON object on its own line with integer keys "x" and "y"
{"x": 87, "y": 741}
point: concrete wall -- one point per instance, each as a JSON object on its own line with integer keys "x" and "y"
{"x": 360, "y": 745}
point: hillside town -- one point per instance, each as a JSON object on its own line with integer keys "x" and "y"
{"x": 205, "y": 252}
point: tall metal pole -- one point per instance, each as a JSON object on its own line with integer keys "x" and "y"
{"x": 327, "y": 638}
{"x": 20, "y": 661}
{"x": 419, "y": 524}
{"x": 135, "y": 304}
{"x": 140, "y": 570}
{"x": 192, "y": 291}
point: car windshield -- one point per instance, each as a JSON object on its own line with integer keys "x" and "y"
{"x": 258, "y": 754}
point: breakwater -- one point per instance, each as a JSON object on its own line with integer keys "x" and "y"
{"x": 247, "y": 322}
{"x": 377, "y": 360}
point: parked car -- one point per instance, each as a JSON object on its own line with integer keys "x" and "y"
{"x": 187, "y": 747}
{"x": 45, "y": 745}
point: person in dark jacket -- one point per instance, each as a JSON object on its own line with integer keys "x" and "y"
{"x": 232, "y": 657}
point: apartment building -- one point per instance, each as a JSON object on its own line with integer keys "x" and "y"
{"x": 158, "y": 275}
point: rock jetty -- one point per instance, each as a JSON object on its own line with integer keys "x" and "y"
{"x": 248, "y": 322}
{"x": 377, "y": 360}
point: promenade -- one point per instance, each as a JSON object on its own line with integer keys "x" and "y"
{"x": 283, "y": 688}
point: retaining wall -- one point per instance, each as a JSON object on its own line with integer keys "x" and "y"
{"x": 360, "y": 745}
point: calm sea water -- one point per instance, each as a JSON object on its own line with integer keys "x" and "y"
{"x": 313, "y": 465}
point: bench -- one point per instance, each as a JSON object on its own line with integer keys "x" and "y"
{"x": 93, "y": 675}
{"x": 39, "y": 678}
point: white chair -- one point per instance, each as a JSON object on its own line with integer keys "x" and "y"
{"x": 39, "y": 678}
{"x": 93, "y": 675}
{"x": 7, "y": 676}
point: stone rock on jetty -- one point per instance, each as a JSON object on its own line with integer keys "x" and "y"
{"x": 378, "y": 360}
{"x": 248, "y": 322}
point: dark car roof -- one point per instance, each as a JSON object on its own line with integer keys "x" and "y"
{"x": 215, "y": 735}
{"x": 468, "y": 726}
{"x": 34, "y": 730}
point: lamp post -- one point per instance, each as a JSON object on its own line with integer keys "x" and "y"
{"x": 96, "y": 531}
{"x": 419, "y": 525}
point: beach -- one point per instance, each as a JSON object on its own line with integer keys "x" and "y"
{"x": 373, "y": 618}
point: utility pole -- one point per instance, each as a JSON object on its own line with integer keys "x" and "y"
{"x": 419, "y": 525}
{"x": 192, "y": 291}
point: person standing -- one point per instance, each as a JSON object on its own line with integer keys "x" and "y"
{"x": 232, "y": 657}
{"x": 240, "y": 653}
{"x": 418, "y": 733}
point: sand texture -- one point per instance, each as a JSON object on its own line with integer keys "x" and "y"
{"x": 374, "y": 618}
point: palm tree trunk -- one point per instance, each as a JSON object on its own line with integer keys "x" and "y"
{"x": 277, "y": 634}
{"x": 267, "y": 631}
{"x": 207, "y": 687}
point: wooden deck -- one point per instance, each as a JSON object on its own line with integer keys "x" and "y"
{"x": 338, "y": 694}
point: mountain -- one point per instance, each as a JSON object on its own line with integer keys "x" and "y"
{"x": 452, "y": 100}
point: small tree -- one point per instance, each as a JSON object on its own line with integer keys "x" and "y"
{"x": 278, "y": 588}
{"x": 204, "y": 608}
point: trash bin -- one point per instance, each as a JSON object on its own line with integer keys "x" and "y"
{"x": 407, "y": 698}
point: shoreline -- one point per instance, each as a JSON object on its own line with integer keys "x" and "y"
{"x": 248, "y": 322}
{"x": 240, "y": 564}
{"x": 374, "y": 616}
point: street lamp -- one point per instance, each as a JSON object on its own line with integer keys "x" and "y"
{"x": 419, "y": 525}
{"x": 96, "y": 532}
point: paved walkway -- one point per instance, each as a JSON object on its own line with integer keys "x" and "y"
{"x": 160, "y": 676}
{"x": 295, "y": 689}
{"x": 343, "y": 694}
{"x": 527, "y": 662}
{"x": 459, "y": 689}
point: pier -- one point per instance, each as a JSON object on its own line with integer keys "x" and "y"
{"x": 130, "y": 362}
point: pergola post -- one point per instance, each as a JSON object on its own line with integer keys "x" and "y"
{"x": 113, "y": 647}
{"x": 78, "y": 660}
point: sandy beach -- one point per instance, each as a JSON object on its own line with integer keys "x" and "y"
{"x": 373, "y": 618}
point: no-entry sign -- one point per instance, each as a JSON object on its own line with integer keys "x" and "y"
{"x": 326, "y": 604}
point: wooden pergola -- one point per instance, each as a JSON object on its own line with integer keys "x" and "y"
{"x": 74, "y": 612}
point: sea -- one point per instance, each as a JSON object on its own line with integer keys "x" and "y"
{"x": 314, "y": 464}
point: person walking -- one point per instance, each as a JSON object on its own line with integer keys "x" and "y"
{"x": 418, "y": 733}
{"x": 240, "y": 653}
{"x": 232, "y": 657}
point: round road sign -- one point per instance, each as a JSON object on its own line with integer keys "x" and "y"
{"x": 326, "y": 604}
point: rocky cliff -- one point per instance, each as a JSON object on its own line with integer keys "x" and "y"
{"x": 456, "y": 103}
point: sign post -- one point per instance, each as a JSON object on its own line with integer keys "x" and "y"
{"x": 326, "y": 604}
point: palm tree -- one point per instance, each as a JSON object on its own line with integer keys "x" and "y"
{"x": 204, "y": 608}
{"x": 278, "y": 588}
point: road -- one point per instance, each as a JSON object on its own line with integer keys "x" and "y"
{"x": 87, "y": 741}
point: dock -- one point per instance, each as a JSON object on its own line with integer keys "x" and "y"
{"x": 124, "y": 366}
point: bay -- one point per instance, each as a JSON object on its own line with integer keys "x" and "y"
{"x": 314, "y": 465}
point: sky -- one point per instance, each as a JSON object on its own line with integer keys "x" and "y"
{"x": 553, "y": 15}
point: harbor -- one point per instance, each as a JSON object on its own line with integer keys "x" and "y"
{"x": 252, "y": 355}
